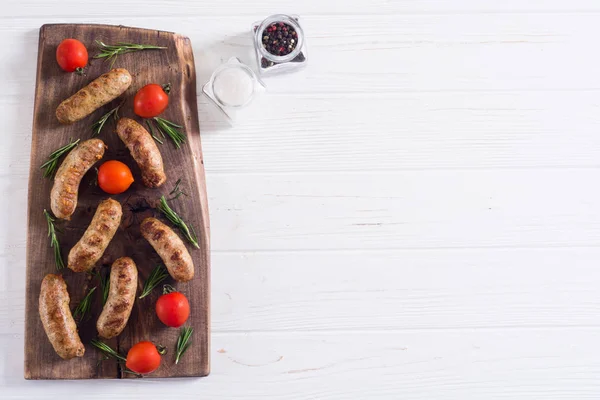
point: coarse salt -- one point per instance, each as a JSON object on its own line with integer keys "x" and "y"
{"x": 233, "y": 86}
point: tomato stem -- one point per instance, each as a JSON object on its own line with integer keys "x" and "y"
{"x": 168, "y": 289}
{"x": 162, "y": 350}
{"x": 167, "y": 88}
{"x": 80, "y": 71}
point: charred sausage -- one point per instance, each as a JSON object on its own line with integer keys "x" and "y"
{"x": 57, "y": 318}
{"x": 63, "y": 197}
{"x": 121, "y": 296}
{"x": 99, "y": 92}
{"x": 97, "y": 236}
{"x": 144, "y": 151}
{"x": 170, "y": 248}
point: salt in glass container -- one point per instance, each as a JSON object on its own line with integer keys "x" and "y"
{"x": 232, "y": 88}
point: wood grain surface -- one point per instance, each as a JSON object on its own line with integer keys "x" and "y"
{"x": 174, "y": 65}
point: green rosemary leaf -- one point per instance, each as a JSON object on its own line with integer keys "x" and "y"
{"x": 171, "y": 130}
{"x": 158, "y": 274}
{"x": 177, "y": 221}
{"x": 98, "y": 125}
{"x": 107, "y": 350}
{"x": 151, "y": 130}
{"x": 58, "y": 260}
{"x": 183, "y": 342}
{"x": 111, "y": 52}
{"x": 51, "y": 165}
{"x": 176, "y": 192}
{"x": 83, "y": 308}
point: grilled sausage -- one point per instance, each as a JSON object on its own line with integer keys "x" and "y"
{"x": 121, "y": 296}
{"x": 57, "y": 318}
{"x": 143, "y": 150}
{"x": 99, "y": 92}
{"x": 170, "y": 248}
{"x": 63, "y": 197}
{"x": 97, "y": 236}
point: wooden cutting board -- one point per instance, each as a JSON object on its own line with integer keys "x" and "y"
{"x": 174, "y": 65}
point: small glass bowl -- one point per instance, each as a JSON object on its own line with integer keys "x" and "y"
{"x": 232, "y": 111}
{"x": 268, "y": 63}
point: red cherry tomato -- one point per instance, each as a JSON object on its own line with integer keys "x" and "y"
{"x": 143, "y": 358}
{"x": 173, "y": 309}
{"x": 150, "y": 101}
{"x": 114, "y": 177}
{"x": 71, "y": 54}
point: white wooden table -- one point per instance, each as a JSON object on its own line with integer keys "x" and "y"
{"x": 414, "y": 216}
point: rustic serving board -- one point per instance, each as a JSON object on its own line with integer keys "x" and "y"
{"x": 174, "y": 65}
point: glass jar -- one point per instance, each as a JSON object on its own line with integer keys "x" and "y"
{"x": 232, "y": 87}
{"x": 269, "y": 63}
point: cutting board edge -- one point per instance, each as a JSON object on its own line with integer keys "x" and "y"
{"x": 36, "y": 104}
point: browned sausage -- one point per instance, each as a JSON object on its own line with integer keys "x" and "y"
{"x": 170, "y": 248}
{"x": 99, "y": 92}
{"x": 121, "y": 296}
{"x": 63, "y": 197}
{"x": 57, "y": 318}
{"x": 97, "y": 236}
{"x": 143, "y": 150}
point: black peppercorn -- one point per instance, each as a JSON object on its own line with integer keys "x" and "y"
{"x": 278, "y": 40}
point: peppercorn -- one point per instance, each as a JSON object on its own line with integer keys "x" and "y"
{"x": 278, "y": 39}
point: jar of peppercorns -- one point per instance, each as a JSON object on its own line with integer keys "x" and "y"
{"x": 279, "y": 43}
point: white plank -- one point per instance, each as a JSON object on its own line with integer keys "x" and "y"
{"x": 182, "y": 8}
{"x": 389, "y": 54}
{"x": 429, "y": 209}
{"x": 400, "y": 290}
{"x": 509, "y": 364}
{"x": 320, "y": 291}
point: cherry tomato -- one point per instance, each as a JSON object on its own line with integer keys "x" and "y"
{"x": 114, "y": 177}
{"x": 173, "y": 309}
{"x": 71, "y": 54}
{"x": 143, "y": 358}
{"x": 150, "y": 101}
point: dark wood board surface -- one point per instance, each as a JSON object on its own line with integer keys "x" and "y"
{"x": 174, "y": 65}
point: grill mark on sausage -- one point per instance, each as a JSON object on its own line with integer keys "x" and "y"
{"x": 57, "y": 319}
{"x": 121, "y": 297}
{"x": 90, "y": 248}
{"x": 99, "y": 92}
{"x": 144, "y": 151}
{"x": 170, "y": 248}
{"x": 65, "y": 189}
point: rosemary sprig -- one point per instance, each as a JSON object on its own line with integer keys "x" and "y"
{"x": 54, "y": 241}
{"x": 151, "y": 130}
{"x": 98, "y": 125}
{"x": 51, "y": 165}
{"x": 111, "y": 52}
{"x": 177, "y": 221}
{"x": 166, "y": 127}
{"x": 107, "y": 350}
{"x": 183, "y": 342}
{"x": 158, "y": 274}
{"x": 84, "y": 306}
{"x": 176, "y": 192}
{"x": 104, "y": 285}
